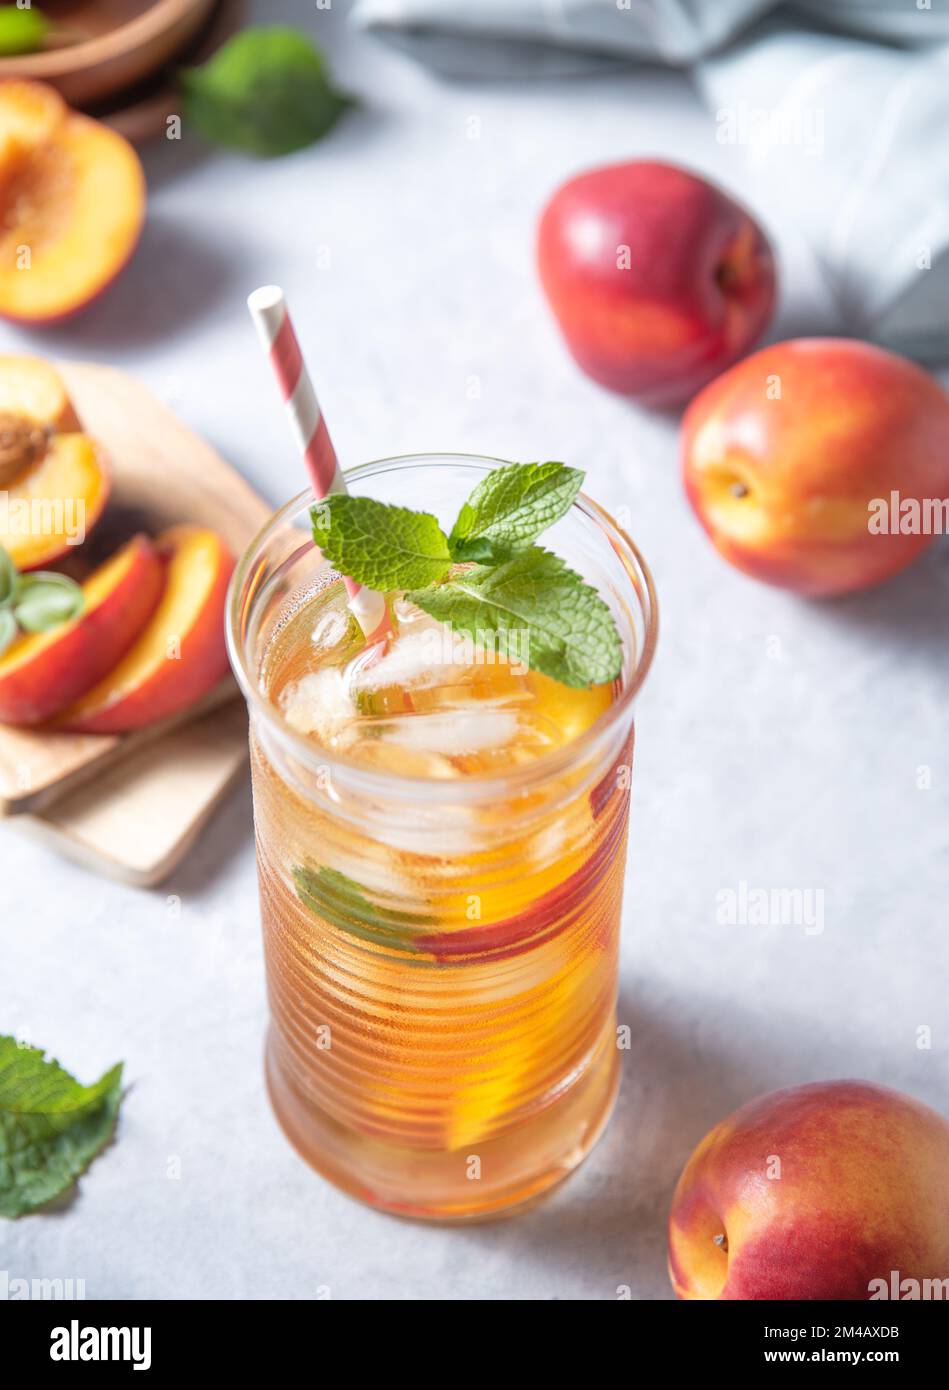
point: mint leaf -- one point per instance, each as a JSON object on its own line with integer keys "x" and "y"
{"x": 8, "y": 577}
{"x": 51, "y": 1127}
{"x": 8, "y": 629}
{"x": 21, "y": 31}
{"x": 378, "y": 545}
{"x": 569, "y": 630}
{"x": 340, "y": 902}
{"x": 510, "y": 508}
{"x": 44, "y": 600}
{"x": 266, "y": 91}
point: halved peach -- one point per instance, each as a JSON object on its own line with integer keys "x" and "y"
{"x": 72, "y": 207}
{"x": 43, "y": 672}
{"x": 32, "y": 389}
{"x": 55, "y": 503}
{"x": 30, "y": 115}
{"x": 180, "y": 656}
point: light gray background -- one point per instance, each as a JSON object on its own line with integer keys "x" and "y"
{"x": 780, "y": 741}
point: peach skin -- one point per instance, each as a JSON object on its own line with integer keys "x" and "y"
{"x": 41, "y": 673}
{"x": 657, "y": 279}
{"x": 72, "y": 205}
{"x": 816, "y": 1192}
{"x": 179, "y": 656}
{"x": 784, "y": 455}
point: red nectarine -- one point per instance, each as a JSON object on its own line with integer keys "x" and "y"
{"x": 784, "y": 454}
{"x": 815, "y": 1192}
{"x": 657, "y": 278}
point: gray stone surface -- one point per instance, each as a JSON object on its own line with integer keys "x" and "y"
{"x": 780, "y": 741}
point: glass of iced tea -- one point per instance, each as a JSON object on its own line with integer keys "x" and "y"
{"x": 441, "y": 837}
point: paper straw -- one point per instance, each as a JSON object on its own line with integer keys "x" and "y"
{"x": 268, "y": 309}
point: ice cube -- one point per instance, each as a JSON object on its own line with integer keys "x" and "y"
{"x": 319, "y": 703}
{"x": 418, "y": 657}
{"x": 332, "y": 629}
{"x": 453, "y": 733}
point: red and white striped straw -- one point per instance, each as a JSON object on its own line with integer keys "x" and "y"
{"x": 268, "y": 309}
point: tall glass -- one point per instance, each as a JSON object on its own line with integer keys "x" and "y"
{"x": 442, "y": 1039}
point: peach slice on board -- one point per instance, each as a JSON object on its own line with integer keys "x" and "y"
{"x": 179, "y": 656}
{"x": 43, "y": 672}
{"x": 72, "y": 206}
{"x": 33, "y": 390}
{"x": 54, "y": 503}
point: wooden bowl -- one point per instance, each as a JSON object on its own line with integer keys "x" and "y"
{"x": 128, "y": 40}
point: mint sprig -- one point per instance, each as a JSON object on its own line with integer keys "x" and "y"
{"x": 267, "y": 91}
{"x": 34, "y": 602}
{"x": 510, "y": 508}
{"x": 51, "y": 1127}
{"x": 486, "y": 576}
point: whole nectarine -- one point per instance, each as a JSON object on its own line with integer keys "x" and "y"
{"x": 790, "y": 455}
{"x": 657, "y": 278}
{"x": 820, "y": 1191}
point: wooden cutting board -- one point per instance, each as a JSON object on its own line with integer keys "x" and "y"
{"x": 138, "y": 819}
{"x": 162, "y": 473}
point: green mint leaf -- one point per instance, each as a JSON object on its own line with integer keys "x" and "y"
{"x": 510, "y": 508}
{"x": 342, "y": 903}
{"x": 8, "y": 577}
{"x": 51, "y": 1127}
{"x": 378, "y": 545}
{"x": 539, "y": 611}
{"x": 21, "y": 31}
{"x": 44, "y": 600}
{"x": 8, "y": 629}
{"x": 266, "y": 91}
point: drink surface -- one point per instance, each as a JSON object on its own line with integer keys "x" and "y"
{"x": 440, "y": 993}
